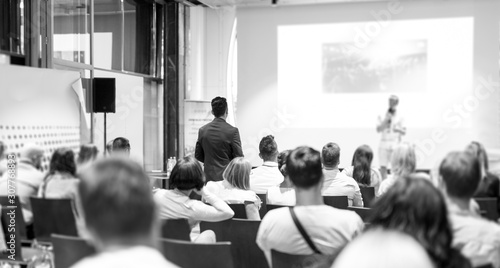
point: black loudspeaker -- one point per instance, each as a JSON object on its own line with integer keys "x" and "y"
{"x": 104, "y": 95}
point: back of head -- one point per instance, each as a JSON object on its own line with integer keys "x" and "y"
{"x": 117, "y": 201}
{"x": 282, "y": 156}
{"x": 461, "y": 174}
{"x": 219, "y": 106}
{"x": 187, "y": 174}
{"x": 237, "y": 173}
{"x": 121, "y": 145}
{"x": 268, "y": 148}
{"x": 63, "y": 160}
{"x": 477, "y": 149}
{"x": 88, "y": 152}
{"x": 383, "y": 249}
{"x": 109, "y": 146}
{"x": 361, "y": 162}
{"x": 31, "y": 151}
{"x": 330, "y": 155}
{"x": 403, "y": 160}
{"x": 304, "y": 167}
{"x": 415, "y": 207}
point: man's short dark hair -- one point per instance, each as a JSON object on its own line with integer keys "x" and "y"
{"x": 304, "y": 167}
{"x": 121, "y": 144}
{"x": 268, "y": 147}
{"x": 219, "y": 106}
{"x": 187, "y": 174}
{"x": 461, "y": 174}
{"x": 117, "y": 200}
{"x": 330, "y": 155}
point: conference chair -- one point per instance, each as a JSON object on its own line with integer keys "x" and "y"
{"x": 5, "y": 202}
{"x": 52, "y": 216}
{"x": 242, "y": 234}
{"x": 271, "y": 207}
{"x": 489, "y": 207}
{"x": 368, "y": 194}
{"x": 336, "y": 201}
{"x": 68, "y": 250}
{"x": 192, "y": 255}
{"x": 364, "y": 213}
{"x": 284, "y": 260}
{"x": 263, "y": 206}
{"x": 240, "y": 211}
{"x": 176, "y": 229}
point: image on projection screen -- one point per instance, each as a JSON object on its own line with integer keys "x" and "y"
{"x": 394, "y": 66}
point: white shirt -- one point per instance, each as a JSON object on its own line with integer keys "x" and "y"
{"x": 139, "y": 256}
{"x": 385, "y": 185}
{"x": 478, "y": 239}
{"x": 375, "y": 177}
{"x": 330, "y": 230}
{"x": 339, "y": 184}
{"x": 388, "y": 134}
{"x": 232, "y": 195}
{"x": 264, "y": 177}
{"x": 281, "y": 196}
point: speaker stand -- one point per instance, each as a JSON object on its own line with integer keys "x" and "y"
{"x": 105, "y": 140}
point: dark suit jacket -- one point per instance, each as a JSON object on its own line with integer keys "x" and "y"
{"x": 218, "y": 143}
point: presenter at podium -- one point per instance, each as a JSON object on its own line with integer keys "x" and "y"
{"x": 391, "y": 127}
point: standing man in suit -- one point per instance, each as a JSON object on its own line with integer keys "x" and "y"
{"x": 218, "y": 142}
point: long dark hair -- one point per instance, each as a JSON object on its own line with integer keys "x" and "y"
{"x": 62, "y": 160}
{"x": 414, "y": 206}
{"x": 361, "y": 162}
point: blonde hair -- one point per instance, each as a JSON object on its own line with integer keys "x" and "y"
{"x": 403, "y": 160}
{"x": 237, "y": 173}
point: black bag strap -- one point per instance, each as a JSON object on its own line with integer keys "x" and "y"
{"x": 303, "y": 232}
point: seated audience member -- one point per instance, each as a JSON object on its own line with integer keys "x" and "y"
{"x": 337, "y": 183}
{"x": 61, "y": 180}
{"x": 478, "y": 239}
{"x": 86, "y": 156}
{"x": 3, "y": 158}
{"x": 361, "y": 170}
{"x": 234, "y": 188}
{"x": 403, "y": 162}
{"x": 28, "y": 178}
{"x": 121, "y": 147}
{"x": 489, "y": 186}
{"x": 415, "y": 207}
{"x": 121, "y": 216}
{"x": 284, "y": 194}
{"x": 109, "y": 147}
{"x": 268, "y": 175}
{"x": 329, "y": 229}
{"x": 383, "y": 249}
{"x": 187, "y": 176}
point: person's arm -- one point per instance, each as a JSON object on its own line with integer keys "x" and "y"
{"x": 236, "y": 145}
{"x": 400, "y": 128}
{"x": 217, "y": 211}
{"x": 262, "y": 241}
{"x": 199, "y": 154}
{"x": 357, "y": 200}
{"x": 382, "y": 123}
{"x": 252, "y": 211}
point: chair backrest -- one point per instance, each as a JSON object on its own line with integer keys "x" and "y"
{"x": 5, "y": 202}
{"x": 68, "y": 250}
{"x": 263, "y": 207}
{"x": 284, "y": 260}
{"x": 336, "y": 201}
{"x": 7, "y": 232}
{"x": 240, "y": 211}
{"x": 242, "y": 234}
{"x": 485, "y": 266}
{"x": 490, "y": 207}
{"x": 176, "y": 229}
{"x": 192, "y": 255}
{"x": 52, "y": 216}
{"x": 364, "y": 213}
{"x": 271, "y": 207}
{"x": 368, "y": 194}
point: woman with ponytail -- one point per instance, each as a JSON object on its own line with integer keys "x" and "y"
{"x": 361, "y": 169}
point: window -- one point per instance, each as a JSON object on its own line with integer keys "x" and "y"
{"x": 12, "y": 26}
